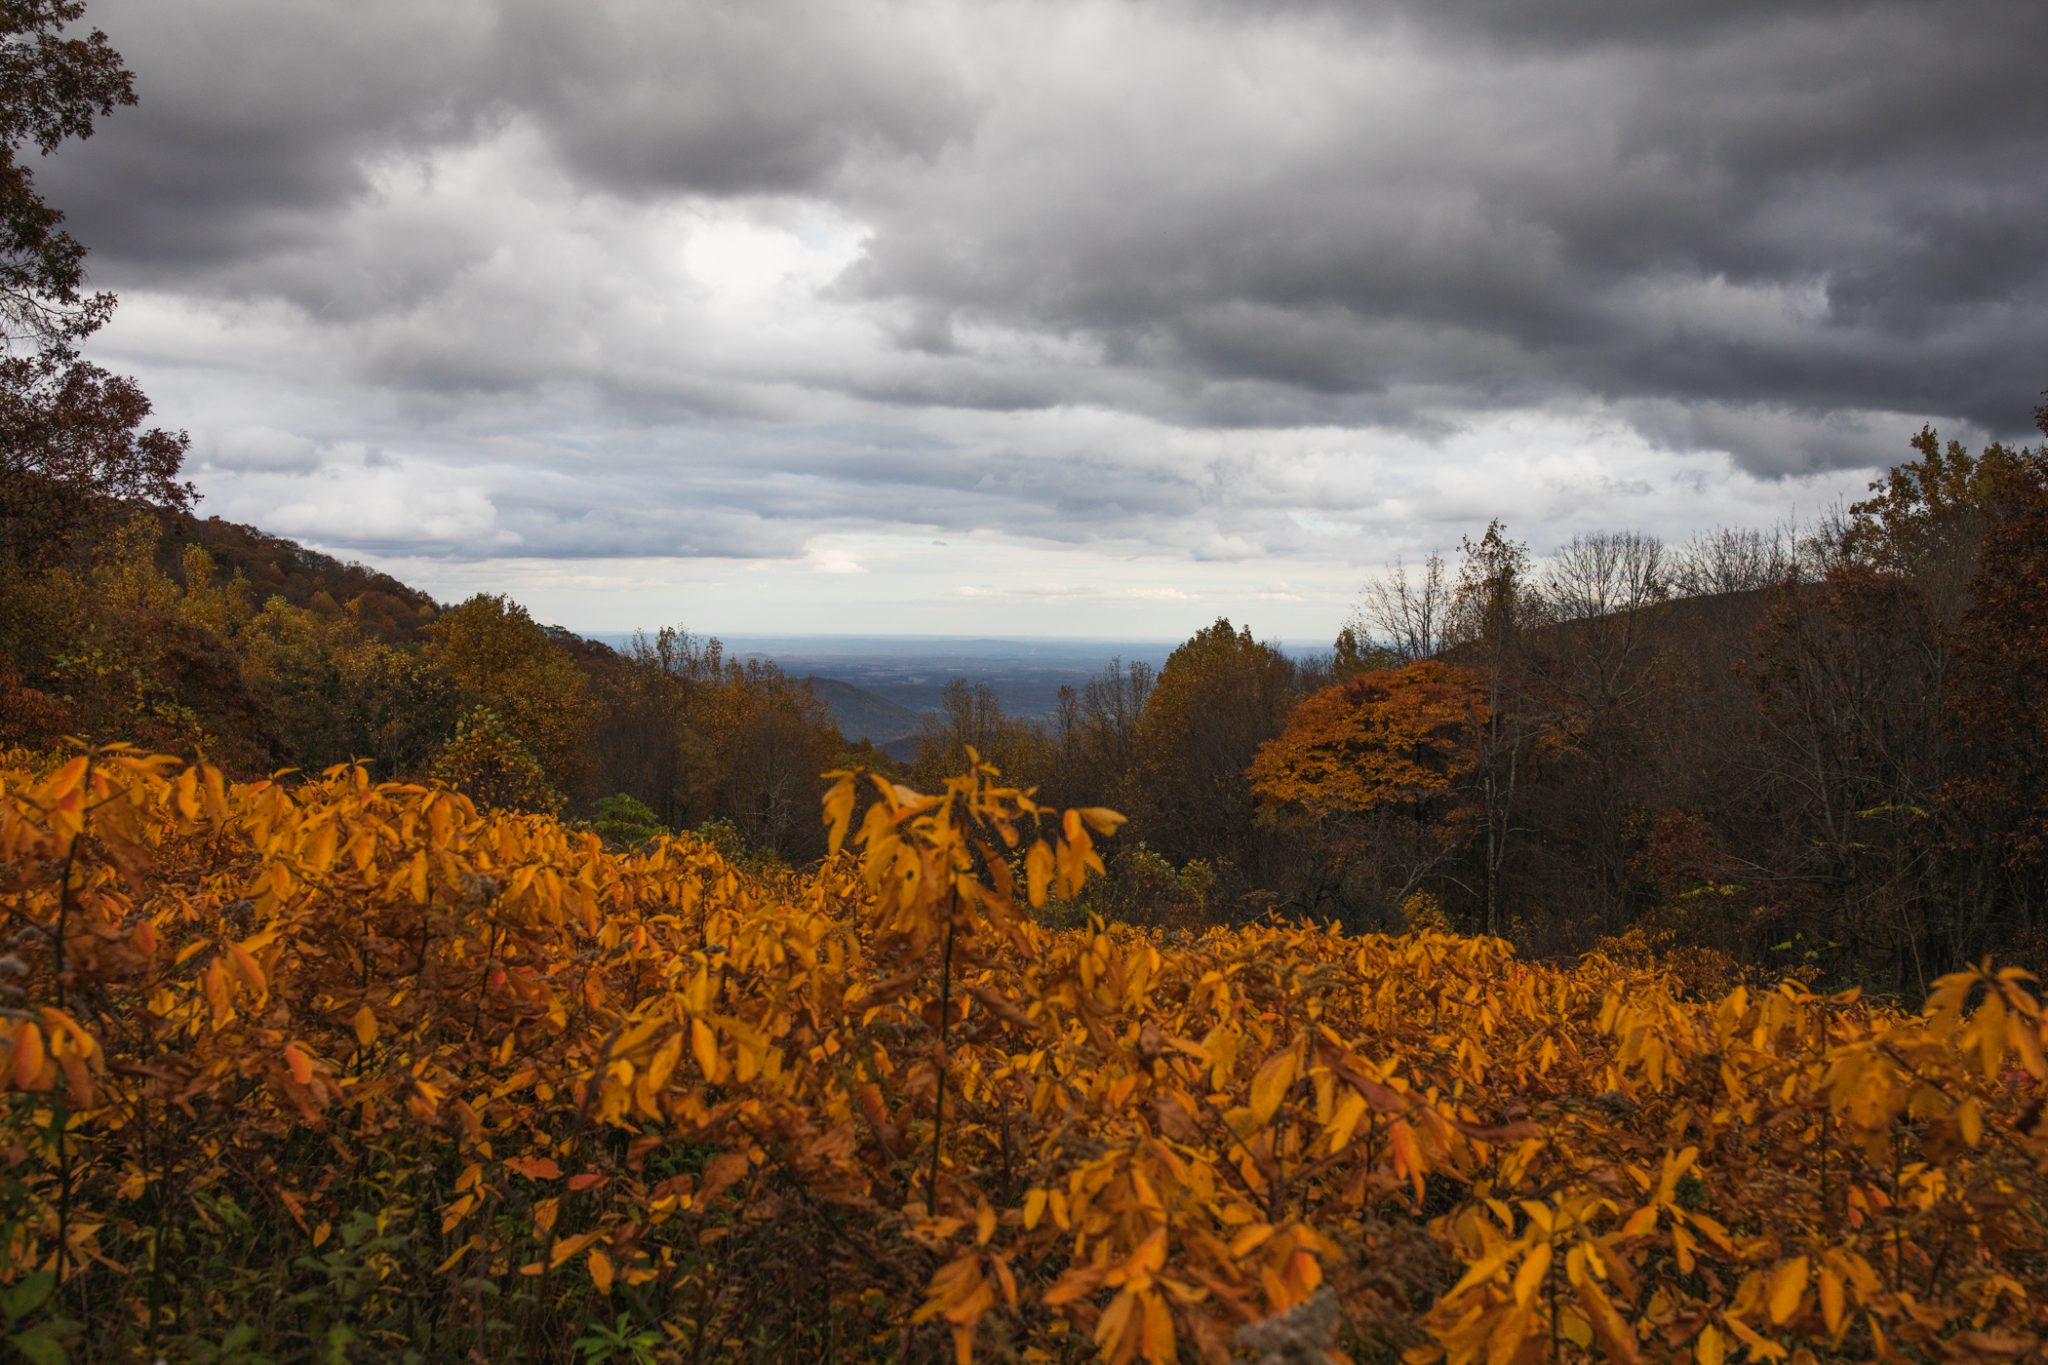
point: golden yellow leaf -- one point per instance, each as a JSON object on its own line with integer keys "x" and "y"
{"x": 1831, "y": 1298}
{"x": 838, "y": 814}
{"x": 27, "y": 1067}
{"x": 1970, "y": 1120}
{"x": 1034, "y": 1208}
{"x": 704, "y": 1047}
{"x": 1616, "y": 1336}
{"x": 1038, "y": 872}
{"x": 1270, "y": 1085}
{"x": 984, "y": 1223}
{"x": 1344, "y": 1121}
{"x": 1101, "y": 819}
{"x": 1530, "y": 1277}
{"x": 569, "y": 1247}
{"x": 1787, "y": 1288}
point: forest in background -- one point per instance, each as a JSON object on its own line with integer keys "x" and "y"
{"x": 1817, "y": 749}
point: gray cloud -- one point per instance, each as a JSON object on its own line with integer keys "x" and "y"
{"x": 268, "y": 118}
{"x": 1095, "y": 273}
{"x": 1798, "y": 210}
{"x": 646, "y": 98}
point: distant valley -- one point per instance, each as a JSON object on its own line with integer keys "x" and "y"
{"x": 881, "y": 687}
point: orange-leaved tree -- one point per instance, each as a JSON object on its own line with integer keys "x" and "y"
{"x": 1381, "y": 763}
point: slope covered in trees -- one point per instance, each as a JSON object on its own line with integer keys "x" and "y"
{"x": 1818, "y": 752}
{"x": 208, "y": 637}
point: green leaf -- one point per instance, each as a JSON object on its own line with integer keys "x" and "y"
{"x": 40, "y": 1345}
{"x": 25, "y": 1298}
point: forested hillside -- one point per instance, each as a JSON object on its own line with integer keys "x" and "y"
{"x": 1816, "y": 751}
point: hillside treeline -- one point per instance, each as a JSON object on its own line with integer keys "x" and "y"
{"x": 1817, "y": 749}
{"x": 1820, "y": 749}
{"x": 206, "y": 637}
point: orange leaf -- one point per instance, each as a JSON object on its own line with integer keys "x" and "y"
{"x": 246, "y": 967}
{"x": 28, "y": 1057}
{"x": 704, "y": 1047}
{"x": 720, "y": 1172}
{"x": 1407, "y": 1151}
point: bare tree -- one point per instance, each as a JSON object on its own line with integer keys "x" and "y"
{"x": 1735, "y": 559}
{"x": 1406, "y": 617}
{"x": 1600, "y": 673}
{"x": 1111, "y": 703}
{"x": 1605, "y": 574}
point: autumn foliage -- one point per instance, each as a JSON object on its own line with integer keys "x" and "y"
{"x": 1401, "y": 737}
{"x": 354, "y": 1069}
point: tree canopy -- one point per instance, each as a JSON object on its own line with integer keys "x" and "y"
{"x": 72, "y": 439}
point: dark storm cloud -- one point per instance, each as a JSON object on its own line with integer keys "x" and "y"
{"x": 266, "y": 117}
{"x": 259, "y": 122}
{"x": 1784, "y": 232}
{"x": 1804, "y": 212}
{"x": 647, "y": 98}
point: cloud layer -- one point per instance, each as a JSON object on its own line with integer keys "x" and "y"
{"x": 1099, "y": 290}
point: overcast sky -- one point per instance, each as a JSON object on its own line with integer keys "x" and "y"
{"x": 1047, "y": 317}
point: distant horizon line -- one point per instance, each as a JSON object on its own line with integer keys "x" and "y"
{"x": 723, "y": 636}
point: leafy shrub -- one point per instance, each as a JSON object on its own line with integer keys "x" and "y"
{"x": 486, "y": 762}
{"x": 343, "y": 1070}
{"x": 623, "y": 822}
